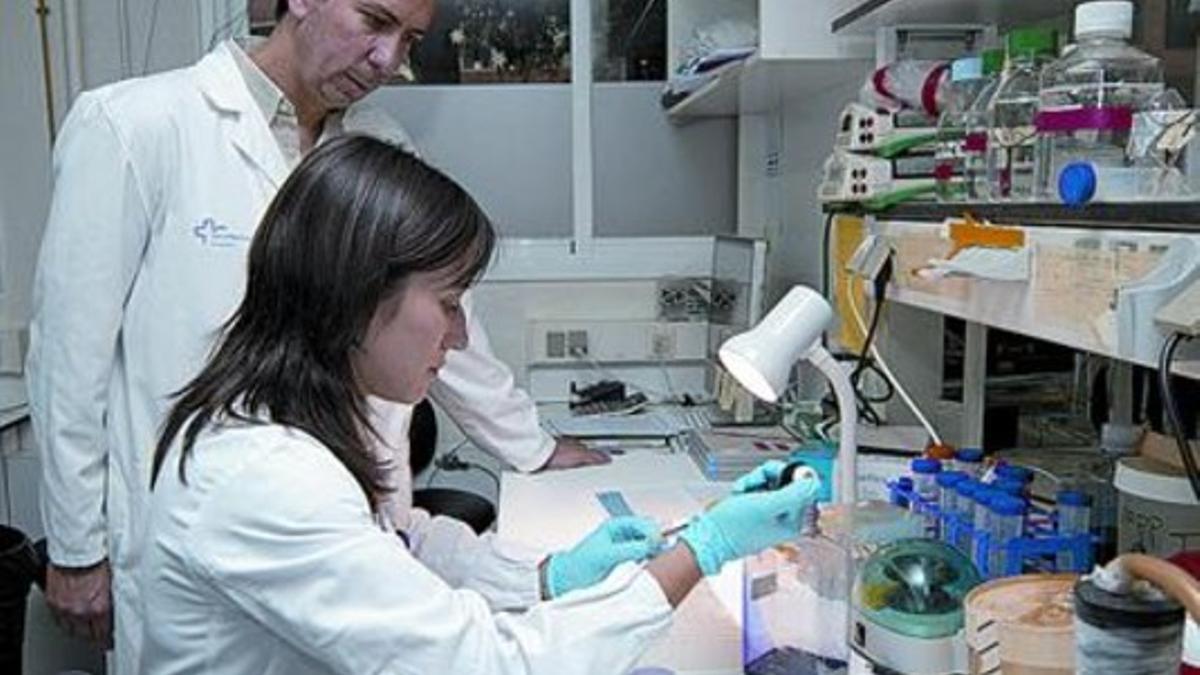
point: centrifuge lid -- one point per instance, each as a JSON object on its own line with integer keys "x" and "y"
{"x": 915, "y": 587}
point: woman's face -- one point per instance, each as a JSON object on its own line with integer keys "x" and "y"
{"x": 408, "y": 337}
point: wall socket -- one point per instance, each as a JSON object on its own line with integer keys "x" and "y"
{"x": 562, "y": 344}
{"x": 616, "y": 341}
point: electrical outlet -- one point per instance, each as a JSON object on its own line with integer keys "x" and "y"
{"x": 556, "y": 344}
{"x": 577, "y": 342}
{"x": 616, "y": 341}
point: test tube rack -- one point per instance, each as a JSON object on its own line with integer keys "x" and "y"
{"x": 1035, "y": 551}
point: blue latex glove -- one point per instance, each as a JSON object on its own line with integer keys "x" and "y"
{"x": 764, "y": 475}
{"x": 618, "y": 540}
{"x": 745, "y": 523}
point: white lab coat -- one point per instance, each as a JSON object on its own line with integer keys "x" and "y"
{"x": 268, "y": 562}
{"x": 159, "y": 185}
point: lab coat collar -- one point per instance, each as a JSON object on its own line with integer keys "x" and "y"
{"x": 223, "y": 86}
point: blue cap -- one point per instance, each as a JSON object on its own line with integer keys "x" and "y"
{"x": 1007, "y": 505}
{"x": 985, "y": 495}
{"x": 947, "y": 479}
{"x": 1010, "y": 486}
{"x": 967, "y": 488}
{"x": 1077, "y": 183}
{"x": 1014, "y": 472}
{"x": 972, "y": 455}
{"x": 1073, "y": 498}
{"x": 925, "y": 465}
{"x": 966, "y": 68}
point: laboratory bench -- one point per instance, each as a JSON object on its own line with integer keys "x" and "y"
{"x": 553, "y": 510}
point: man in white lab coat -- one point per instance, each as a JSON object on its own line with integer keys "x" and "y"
{"x": 159, "y": 185}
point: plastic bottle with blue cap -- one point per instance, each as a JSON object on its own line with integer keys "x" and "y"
{"x": 966, "y": 81}
{"x": 925, "y": 472}
{"x": 981, "y": 520}
{"x": 970, "y": 461}
{"x": 1087, "y": 103}
{"x": 1007, "y": 520}
{"x": 948, "y": 500}
{"x": 965, "y": 510}
{"x": 1014, "y": 472}
{"x": 1073, "y": 510}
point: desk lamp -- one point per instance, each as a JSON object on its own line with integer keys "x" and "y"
{"x": 761, "y": 360}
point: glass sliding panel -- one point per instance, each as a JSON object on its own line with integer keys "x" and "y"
{"x": 496, "y": 41}
{"x": 630, "y": 40}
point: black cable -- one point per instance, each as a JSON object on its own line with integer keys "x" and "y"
{"x": 865, "y": 361}
{"x": 491, "y": 474}
{"x": 881, "y": 290}
{"x": 1165, "y": 358}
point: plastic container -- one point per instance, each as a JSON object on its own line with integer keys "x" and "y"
{"x": 1190, "y": 562}
{"x": 969, "y": 461}
{"x": 1012, "y": 472}
{"x": 1022, "y": 624}
{"x": 1087, "y": 102}
{"x": 1158, "y": 514}
{"x": 981, "y": 519}
{"x": 1073, "y": 509}
{"x": 924, "y": 477}
{"x": 966, "y": 490}
{"x": 1006, "y": 522}
{"x": 975, "y": 131}
{"x": 1125, "y": 633}
{"x": 1012, "y": 137}
{"x": 1010, "y": 486}
{"x": 966, "y": 81}
{"x": 948, "y": 499}
{"x": 812, "y": 576}
{"x": 908, "y": 83}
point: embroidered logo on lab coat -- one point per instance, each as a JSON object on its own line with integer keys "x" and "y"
{"x": 211, "y": 233}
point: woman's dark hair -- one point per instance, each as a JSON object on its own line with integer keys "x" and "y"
{"x": 348, "y": 227}
{"x": 281, "y": 8}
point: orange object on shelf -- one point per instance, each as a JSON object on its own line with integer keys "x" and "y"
{"x": 940, "y": 451}
{"x": 969, "y": 232}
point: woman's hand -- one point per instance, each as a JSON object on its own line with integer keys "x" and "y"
{"x": 618, "y": 540}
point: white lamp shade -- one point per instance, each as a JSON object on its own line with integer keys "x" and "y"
{"x": 761, "y": 358}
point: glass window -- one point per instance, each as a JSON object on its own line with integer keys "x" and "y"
{"x": 630, "y": 40}
{"x": 496, "y": 41}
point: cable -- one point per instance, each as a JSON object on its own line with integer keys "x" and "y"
{"x": 883, "y": 367}
{"x": 491, "y": 474}
{"x": 881, "y": 281}
{"x": 584, "y": 356}
{"x": 440, "y": 461}
{"x": 1165, "y": 358}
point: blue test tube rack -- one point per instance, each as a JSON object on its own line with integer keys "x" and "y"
{"x": 1035, "y": 551}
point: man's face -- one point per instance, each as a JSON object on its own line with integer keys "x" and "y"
{"x": 347, "y": 48}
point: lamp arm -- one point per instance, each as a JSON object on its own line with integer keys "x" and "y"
{"x": 843, "y": 392}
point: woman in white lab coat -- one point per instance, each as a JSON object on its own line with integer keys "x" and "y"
{"x": 270, "y": 549}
